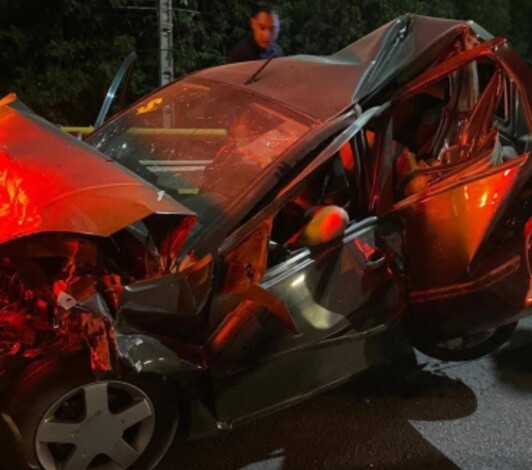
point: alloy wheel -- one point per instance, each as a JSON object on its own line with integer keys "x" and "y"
{"x": 103, "y": 425}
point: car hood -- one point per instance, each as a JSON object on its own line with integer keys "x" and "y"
{"x": 52, "y": 182}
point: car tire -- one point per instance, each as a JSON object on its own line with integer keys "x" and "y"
{"x": 468, "y": 347}
{"x": 60, "y": 400}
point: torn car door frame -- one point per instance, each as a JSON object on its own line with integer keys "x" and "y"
{"x": 485, "y": 289}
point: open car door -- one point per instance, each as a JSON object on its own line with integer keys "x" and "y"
{"x": 461, "y": 197}
{"x": 121, "y": 80}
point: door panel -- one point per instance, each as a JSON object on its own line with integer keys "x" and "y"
{"x": 313, "y": 306}
{"x": 325, "y": 287}
{"x": 445, "y": 228}
{"x": 462, "y": 219}
{"x": 341, "y": 298}
{"x": 451, "y": 290}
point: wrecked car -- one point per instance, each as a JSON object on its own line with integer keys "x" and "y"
{"x": 255, "y": 233}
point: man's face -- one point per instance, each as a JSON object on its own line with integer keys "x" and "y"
{"x": 265, "y": 28}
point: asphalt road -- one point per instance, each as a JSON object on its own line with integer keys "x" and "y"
{"x": 474, "y": 415}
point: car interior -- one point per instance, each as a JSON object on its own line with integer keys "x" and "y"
{"x": 465, "y": 119}
{"x": 332, "y": 186}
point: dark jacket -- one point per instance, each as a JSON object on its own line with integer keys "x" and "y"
{"x": 247, "y": 49}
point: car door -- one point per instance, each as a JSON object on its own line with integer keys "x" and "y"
{"x": 464, "y": 218}
{"x": 121, "y": 80}
{"x": 289, "y": 322}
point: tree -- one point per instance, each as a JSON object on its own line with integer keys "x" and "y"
{"x": 61, "y": 55}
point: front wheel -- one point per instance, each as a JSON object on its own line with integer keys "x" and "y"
{"x": 468, "y": 347}
{"x": 69, "y": 421}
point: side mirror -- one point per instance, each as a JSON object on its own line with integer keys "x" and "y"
{"x": 327, "y": 224}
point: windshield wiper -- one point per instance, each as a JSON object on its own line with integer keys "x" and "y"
{"x": 254, "y": 77}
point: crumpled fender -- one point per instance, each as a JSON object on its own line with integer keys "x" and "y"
{"x": 146, "y": 354}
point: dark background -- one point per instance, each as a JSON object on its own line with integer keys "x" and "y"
{"x": 59, "y": 56}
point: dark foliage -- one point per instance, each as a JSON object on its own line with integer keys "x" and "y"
{"x": 60, "y": 56}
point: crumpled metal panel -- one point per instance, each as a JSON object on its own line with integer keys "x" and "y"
{"x": 147, "y": 354}
{"x": 51, "y": 182}
{"x": 93, "y": 330}
{"x": 41, "y": 317}
{"x": 70, "y": 309}
{"x": 241, "y": 294}
{"x": 406, "y": 44}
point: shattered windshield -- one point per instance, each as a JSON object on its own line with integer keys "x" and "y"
{"x": 203, "y": 143}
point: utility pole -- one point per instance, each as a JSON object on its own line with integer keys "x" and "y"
{"x": 166, "y": 60}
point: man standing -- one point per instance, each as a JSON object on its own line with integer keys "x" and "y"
{"x": 261, "y": 43}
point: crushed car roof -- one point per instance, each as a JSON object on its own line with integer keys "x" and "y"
{"x": 323, "y": 87}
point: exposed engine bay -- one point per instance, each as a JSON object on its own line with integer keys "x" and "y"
{"x": 61, "y": 292}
